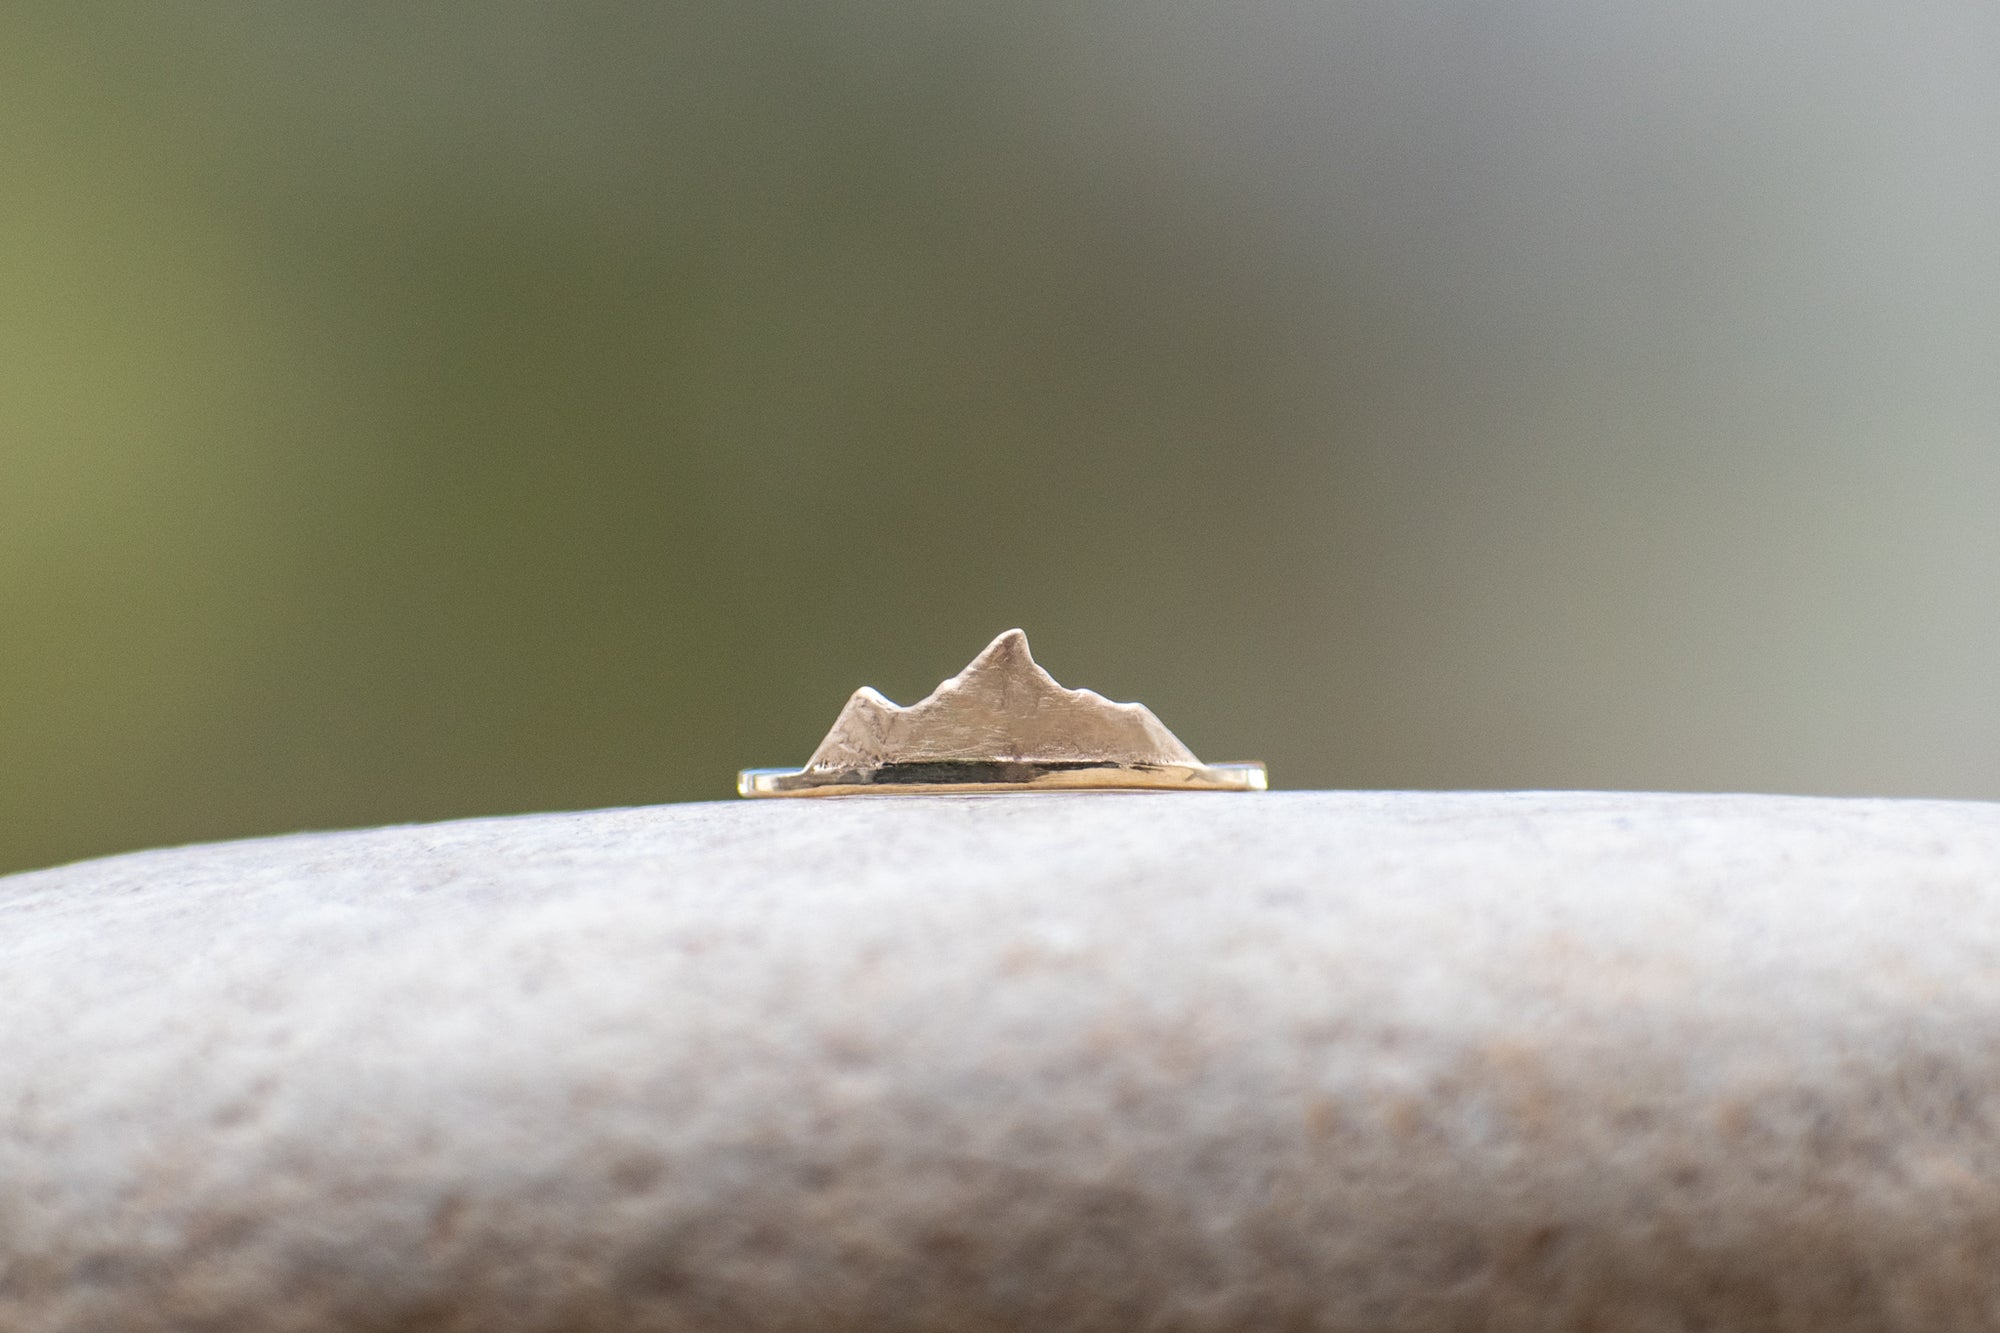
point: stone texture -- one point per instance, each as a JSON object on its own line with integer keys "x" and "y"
{"x": 1064, "y": 1062}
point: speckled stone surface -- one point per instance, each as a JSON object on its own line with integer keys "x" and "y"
{"x": 1044, "y": 1062}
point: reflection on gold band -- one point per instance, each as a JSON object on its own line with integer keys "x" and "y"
{"x": 999, "y": 776}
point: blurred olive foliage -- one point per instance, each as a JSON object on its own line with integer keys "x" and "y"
{"x": 414, "y": 411}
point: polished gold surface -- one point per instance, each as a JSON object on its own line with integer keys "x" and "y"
{"x": 1002, "y": 724}
{"x": 1009, "y": 777}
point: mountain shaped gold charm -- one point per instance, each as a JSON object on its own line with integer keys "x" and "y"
{"x": 1002, "y": 724}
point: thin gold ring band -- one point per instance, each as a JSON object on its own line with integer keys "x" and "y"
{"x": 1000, "y": 776}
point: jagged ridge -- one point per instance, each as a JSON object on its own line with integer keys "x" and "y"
{"x": 1003, "y": 706}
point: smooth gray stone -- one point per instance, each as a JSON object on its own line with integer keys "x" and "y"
{"x": 1049, "y": 1062}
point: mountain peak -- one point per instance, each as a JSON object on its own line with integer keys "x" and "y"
{"x": 1009, "y": 646}
{"x": 1004, "y": 708}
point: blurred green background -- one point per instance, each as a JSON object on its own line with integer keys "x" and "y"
{"x": 412, "y": 411}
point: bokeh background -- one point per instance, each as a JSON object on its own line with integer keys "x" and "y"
{"x": 413, "y": 411}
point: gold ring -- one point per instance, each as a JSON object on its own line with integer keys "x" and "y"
{"x": 1002, "y": 724}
